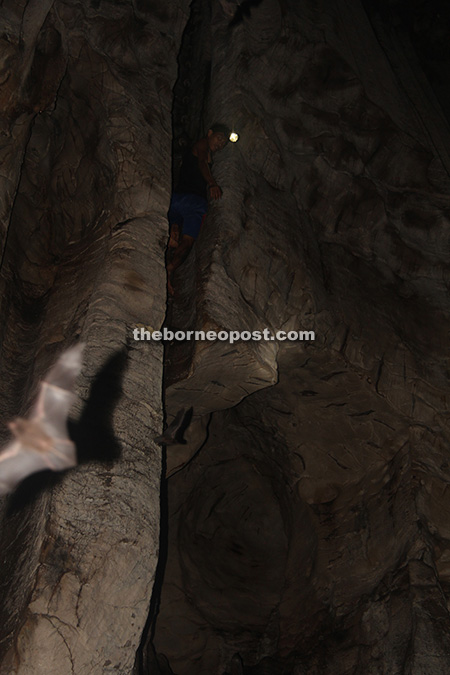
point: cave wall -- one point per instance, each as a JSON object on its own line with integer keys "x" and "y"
{"x": 307, "y": 514}
{"x": 86, "y": 178}
{"x": 308, "y": 511}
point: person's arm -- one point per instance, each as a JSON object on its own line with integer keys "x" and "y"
{"x": 201, "y": 151}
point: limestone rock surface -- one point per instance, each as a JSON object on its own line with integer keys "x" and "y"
{"x": 303, "y": 528}
{"x": 85, "y": 185}
{"x": 307, "y": 532}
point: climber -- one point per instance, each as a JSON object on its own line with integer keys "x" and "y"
{"x": 189, "y": 203}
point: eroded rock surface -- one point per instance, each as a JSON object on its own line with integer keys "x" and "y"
{"x": 86, "y": 142}
{"x": 308, "y": 514}
{"x": 308, "y": 533}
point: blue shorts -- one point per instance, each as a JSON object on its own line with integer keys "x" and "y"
{"x": 187, "y": 211}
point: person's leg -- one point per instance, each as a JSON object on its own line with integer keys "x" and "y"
{"x": 174, "y": 235}
{"x": 174, "y": 240}
{"x": 192, "y": 208}
{"x": 175, "y": 217}
{"x": 180, "y": 254}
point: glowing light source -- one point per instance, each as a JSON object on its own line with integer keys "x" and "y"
{"x": 234, "y": 137}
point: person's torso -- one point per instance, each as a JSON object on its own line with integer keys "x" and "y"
{"x": 191, "y": 179}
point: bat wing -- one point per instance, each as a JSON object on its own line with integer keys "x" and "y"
{"x": 56, "y": 395}
{"x": 17, "y": 462}
{"x": 42, "y": 441}
{"x": 175, "y": 431}
{"x": 67, "y": 368}
{"x": 183, "y": 424}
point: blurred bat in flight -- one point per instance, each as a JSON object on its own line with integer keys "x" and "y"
{"x": 174, "y": 434}
{"x": 41, "y": 440}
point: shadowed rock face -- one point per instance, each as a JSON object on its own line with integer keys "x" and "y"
{"x": 86, "y": 138}
{"x": 308, "y": 533}
{"x": 308, "y": 512}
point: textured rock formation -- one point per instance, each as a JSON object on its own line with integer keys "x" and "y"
{"x": 307, "y": 529}
{"x": 308, "y": 514}
{"x": 86, "y": 140}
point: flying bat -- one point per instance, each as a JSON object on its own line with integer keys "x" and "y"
{"x": 41, "y": 440}
{"x": 174, "y": 433}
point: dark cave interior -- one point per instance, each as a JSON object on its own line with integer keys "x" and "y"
{"x": 303, "y": 528}
{"x": 426, "y": 25}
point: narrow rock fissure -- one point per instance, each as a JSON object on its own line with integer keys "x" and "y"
{"x": 188, "y": 109}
